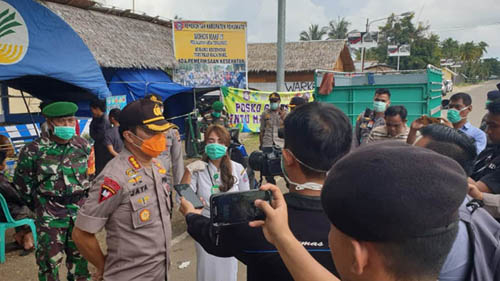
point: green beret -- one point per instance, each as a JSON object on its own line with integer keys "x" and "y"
{"x": 217, "y": 106}
{"x": 60, "y": 109}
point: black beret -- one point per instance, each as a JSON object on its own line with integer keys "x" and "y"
{"x": 493, "y": 95}
{"x": 390, "y": 191}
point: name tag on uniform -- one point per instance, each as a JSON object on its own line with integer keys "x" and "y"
{"x": 138, "y": 190}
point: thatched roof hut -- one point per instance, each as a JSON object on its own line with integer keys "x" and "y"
{"x": 303, "y": 56}
{"x": 301, "y": 59}
{"x": 118, "y": 38}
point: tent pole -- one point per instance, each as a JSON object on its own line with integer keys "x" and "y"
{"x": 29, "y": 112}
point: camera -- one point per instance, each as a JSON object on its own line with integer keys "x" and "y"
{"x": 267, "y": 161}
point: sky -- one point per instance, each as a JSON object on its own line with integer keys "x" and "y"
{"x": 463, "y": 20}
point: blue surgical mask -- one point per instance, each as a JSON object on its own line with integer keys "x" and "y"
{"x": 274, "y": 105}
{"x": 379, "y": 106}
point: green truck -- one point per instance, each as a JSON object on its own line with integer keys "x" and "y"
{"x": 418, "y": 90}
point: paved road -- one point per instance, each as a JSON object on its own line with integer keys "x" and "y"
{"x": 24, "y": 268}
{"x": 478, "y": 94}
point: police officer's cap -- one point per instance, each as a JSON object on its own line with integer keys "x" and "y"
{"x": 392, "y": 191}
{"x": 59, "y": 109}
{"x": 274, "y": 97}
{"x": 296, "y": 101}
{"x": 217, "y": 106}
{"x": 144, "y": 112}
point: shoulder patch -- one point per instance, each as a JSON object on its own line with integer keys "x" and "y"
{"x": 134, "y": 163}
{"x": 108, "y": 189}
{"x": 161, "y": 170}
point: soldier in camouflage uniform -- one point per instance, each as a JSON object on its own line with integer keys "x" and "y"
{"x": 51, "y": 177}
{"x": 215, "y": 117}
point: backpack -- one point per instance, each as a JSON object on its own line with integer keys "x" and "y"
{"x": 484, "y": 234}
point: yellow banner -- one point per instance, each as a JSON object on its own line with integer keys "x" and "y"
{"x": 210, "y": 42}
{"x": 245, "y": 107}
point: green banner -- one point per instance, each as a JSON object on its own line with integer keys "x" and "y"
{"x": 244, "y": 107}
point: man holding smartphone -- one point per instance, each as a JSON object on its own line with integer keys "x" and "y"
{"x": 329, "y": 133}
{"x": 131, "y": 199}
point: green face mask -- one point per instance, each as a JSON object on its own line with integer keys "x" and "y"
{"x": 379, "y": 106}
{"x": 64, "y": 132}
{"x": 274, "y": 105}
{"x": 488, "y": 102}
{"x": 453, "y": 115}
{"x": 215, "y": 151}
{"x": 216, "y": 114}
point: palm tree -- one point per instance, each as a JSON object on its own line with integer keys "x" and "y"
{"x": 337, "y": 29}
{"x": 313, "y": 33}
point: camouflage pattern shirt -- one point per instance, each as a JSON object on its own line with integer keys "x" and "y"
{"x": 209, "y": 119}
{"x": 48, "y": 172}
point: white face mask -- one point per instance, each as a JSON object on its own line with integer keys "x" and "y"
{"x": 301, "y": 186}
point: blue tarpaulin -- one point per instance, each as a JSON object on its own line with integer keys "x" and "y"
{"x": 136, "y": 83}
{"x": 41, "y": 54}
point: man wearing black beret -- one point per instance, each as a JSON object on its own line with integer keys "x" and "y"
{"x": 396, "y": 223}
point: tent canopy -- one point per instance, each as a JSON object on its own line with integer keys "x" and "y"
{"x": 136, "y": 83}
{"x": 41, "y": 54}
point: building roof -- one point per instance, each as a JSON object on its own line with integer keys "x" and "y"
{"x": 300, "y": 56}
{"x": 118, "y": 38}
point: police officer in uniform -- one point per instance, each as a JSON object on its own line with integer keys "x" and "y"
{"x": 271, "y": 121}
{"x": 369, "y": 118}
{"x": 215, "y": 117}
{"x": 131, "y": 198}
{"x": 51, "y": 176}
{"x": 486, "y": 174}
{"x": 172, "y": 157}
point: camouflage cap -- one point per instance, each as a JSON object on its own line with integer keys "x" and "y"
{"x": 60, "y": 109}
{"x": 217, "y": 106}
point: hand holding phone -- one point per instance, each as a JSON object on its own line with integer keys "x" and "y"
{"x": 184, "y": 190}
{"x": 230, "y": 208}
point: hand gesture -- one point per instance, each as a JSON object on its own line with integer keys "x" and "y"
{"x": 474, "y": 192}
{"x": 275, "y": 227}
{"x": 196, "y": 166}
{"x": 186, "y": 207}
{"x": 417, "y": 124}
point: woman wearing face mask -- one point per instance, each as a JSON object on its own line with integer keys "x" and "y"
{"x": 213, "y": 174}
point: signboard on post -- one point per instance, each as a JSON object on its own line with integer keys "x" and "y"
{"x": 398, "y": 50}
{"x": 210, "y": 54}
{"x": 363, "y": 39}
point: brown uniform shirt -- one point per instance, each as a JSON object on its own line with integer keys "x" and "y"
{"x": 132, "y": 203}
{"x": 172, "y": 158}
{"x": 270, "y": 122}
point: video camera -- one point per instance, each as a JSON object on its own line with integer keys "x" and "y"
{"x": 267, "y": 161}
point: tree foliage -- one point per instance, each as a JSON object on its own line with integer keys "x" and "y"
{"x": 338, "y": 29}
{"x": 314, "y": 32}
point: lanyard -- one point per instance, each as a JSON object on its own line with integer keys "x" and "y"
{"x": 215, "y": 187}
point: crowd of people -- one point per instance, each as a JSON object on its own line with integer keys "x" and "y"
{"x": 380, "y": 201}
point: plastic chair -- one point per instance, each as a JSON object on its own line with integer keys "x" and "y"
{"x": 11, "y": 223}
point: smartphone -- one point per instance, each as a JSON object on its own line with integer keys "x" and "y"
{"x": 187, "y": 192}
{"x": 237, "y": 207}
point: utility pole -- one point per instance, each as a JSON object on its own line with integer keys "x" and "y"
{"x": 280, "y": 67}
{"x": 133, "y": 6}
{"x": 363, "y": 50}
